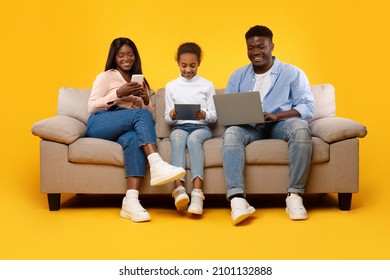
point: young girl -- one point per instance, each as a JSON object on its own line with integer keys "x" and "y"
{"x": 120, "y": 111}
{"x": 189, "y": 88}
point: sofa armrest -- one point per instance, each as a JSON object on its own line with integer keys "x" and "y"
{"x": 62, "y": 129}
{"x": 332, "y": 129}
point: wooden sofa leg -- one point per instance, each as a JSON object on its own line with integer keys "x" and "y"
{"x": 345, "y": 201}
{"x": 54, "y": 200}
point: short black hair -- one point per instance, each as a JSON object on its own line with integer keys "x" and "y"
{"x": 189, "y": 47}
{"x": 259, "y": 31}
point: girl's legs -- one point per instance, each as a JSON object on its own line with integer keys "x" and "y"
{"x": 178, "y": 139}
{"x": 196, "y": 154}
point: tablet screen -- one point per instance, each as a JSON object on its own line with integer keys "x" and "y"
{"x": 186, "y": 111}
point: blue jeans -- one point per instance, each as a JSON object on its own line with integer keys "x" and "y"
{"x": 131, "y": 128}
{"x": 191, "y": 136}
{"x": 294, "y": 131}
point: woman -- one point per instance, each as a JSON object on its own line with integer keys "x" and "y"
{"x": 190, "y": 88}
{"x": 121, "y": 111}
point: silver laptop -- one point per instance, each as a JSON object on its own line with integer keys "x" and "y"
{"x": 239, "y": 108}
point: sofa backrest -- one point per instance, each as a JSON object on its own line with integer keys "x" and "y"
{"x": 73, "y": 102}
{"x": 324, "y": 97}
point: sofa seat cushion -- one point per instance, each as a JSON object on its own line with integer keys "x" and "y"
{"x": 268, "y": 151}
{"x": 96, "y": 151}
{"x": 273, "y": 151}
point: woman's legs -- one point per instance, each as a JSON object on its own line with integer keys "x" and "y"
{"x": 134, "y": 130}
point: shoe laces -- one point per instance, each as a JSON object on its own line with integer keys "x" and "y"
{"x": 178, "y": 191}
{"x": 136, "y": 205}
{"x": 239, "y": 204}
{"x": 196, "y": 199}
{"x": 164, "y": 164}
{"x": 296, "y": 202}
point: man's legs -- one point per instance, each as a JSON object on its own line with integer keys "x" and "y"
{"x": 297, "y": 134}
{"x": 233, "y": 156}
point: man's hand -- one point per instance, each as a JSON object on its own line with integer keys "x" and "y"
{"x": 270, "y": 117}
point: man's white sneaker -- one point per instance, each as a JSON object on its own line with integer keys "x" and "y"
{"x": 132, "y": 209}
{"x": 196, "y": 206}
{"x": 295, "y": 207}
{"x": 181, "y": 198}
{"x": 163, "y": 172}
{"x": 240, "y": 210}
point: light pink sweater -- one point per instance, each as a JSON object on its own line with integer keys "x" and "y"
{"x": 104, "y": 91}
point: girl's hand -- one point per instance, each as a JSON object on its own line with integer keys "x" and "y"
{"x": 201, "y": 115}
{"x": 172, "y": 114}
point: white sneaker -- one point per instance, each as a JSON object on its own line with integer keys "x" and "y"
{"x": 240, "y": 210}
{"x": 162, "y": 173}
{"x": 132, "y": 209}
{"x": 196, "y": 206}
{"x": 181, "y": 198}
{"x": 295, "y": 207}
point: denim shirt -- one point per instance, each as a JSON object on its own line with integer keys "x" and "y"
{"x": 290, "y": 88}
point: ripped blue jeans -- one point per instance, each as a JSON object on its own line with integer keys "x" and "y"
{"x": 294, "y": 131}
{"x": 191, "y": 136}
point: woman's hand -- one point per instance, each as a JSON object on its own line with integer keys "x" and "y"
{"x": 131, "y": 88}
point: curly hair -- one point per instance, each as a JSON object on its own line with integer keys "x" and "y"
{"x": 259, "y": 30}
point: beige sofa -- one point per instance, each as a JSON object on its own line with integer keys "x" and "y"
{"x": 72, "y": 163}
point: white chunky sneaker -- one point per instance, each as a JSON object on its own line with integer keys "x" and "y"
{"x": 240, "y": 210}
{"x": 181, "y": 198}
{"x": 163, "y": 172}
{"x": 196, "y": 206}
{"x": 132, "y": 209}
{"x": 295, "y": 207}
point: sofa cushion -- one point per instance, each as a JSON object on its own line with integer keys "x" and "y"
{"x": 267, "y": 151}
{"x": 162, "y": 128}
{"x": 336, "y": 129}
{"x": 96, "y": 151}
{"x": 73, "y": 102}
{"x": 61, "y": 129}
{"x": 324, "y": 101}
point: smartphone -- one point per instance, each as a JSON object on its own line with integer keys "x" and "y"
{"x": 138, "y": 78}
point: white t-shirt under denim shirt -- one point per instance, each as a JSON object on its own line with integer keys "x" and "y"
{"x": 197, "y": 90}
{"x": 263, "y": 83}
{"x": 290, "y": 88}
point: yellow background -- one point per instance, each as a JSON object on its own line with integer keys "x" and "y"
{"x": 49, "y": 44}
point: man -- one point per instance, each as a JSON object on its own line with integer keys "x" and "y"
{"x": 287, "y": 104}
